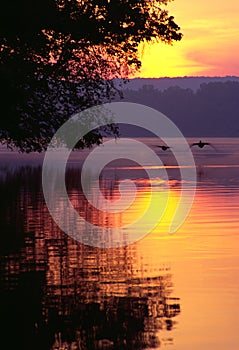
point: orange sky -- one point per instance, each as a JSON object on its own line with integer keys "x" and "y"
{"x": 210, "y": 45}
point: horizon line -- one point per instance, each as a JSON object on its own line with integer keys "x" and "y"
{"x": 187, "y": 76}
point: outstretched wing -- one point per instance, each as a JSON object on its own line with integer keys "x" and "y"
{"x": 194, "y": 144}
{"x": 163, "y": 147}
{"x": 209, "y": 144}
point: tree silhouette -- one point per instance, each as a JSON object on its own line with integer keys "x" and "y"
{"x": 59, "y": 57}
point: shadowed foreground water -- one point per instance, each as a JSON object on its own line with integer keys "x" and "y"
{"x": 58, "y": 291}
{"x": 178, "y": 292}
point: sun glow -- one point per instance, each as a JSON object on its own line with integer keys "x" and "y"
{"x": 159, "y": 210}
{"x": 162, "y": 60}
{"x": 162, "y": 215}
{"x": 209, "y": 45}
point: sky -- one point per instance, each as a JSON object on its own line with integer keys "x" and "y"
{"x": 209, "y": 47}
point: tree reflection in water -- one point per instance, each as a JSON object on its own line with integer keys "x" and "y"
{"x": 60, "y": 294}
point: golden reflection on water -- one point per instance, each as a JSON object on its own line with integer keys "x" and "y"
{"x": 59, "y": 293}
{"x": 175, "y": 291}
{"x": 204, "y": 257}
{"x": 161, "y": 211}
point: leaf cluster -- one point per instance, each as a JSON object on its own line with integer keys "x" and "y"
{"x": 58, "y": 57}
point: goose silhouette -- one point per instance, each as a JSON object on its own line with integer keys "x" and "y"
{"x": 201, "y": 144}
{"x": 163, "y": 147}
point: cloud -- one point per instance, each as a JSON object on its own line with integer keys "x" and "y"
{"x": 210, "y": 44}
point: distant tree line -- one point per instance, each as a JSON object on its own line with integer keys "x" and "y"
{"x": 212, "y": 110}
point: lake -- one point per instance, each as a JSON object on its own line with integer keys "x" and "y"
{"x": 164, "y": 291}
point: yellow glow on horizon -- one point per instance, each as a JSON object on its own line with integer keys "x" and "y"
{"x": 161, "y": 60}
{"x": 209, "y": 47}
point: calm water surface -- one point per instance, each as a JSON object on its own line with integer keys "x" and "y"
{"x": 176, "y": 292}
